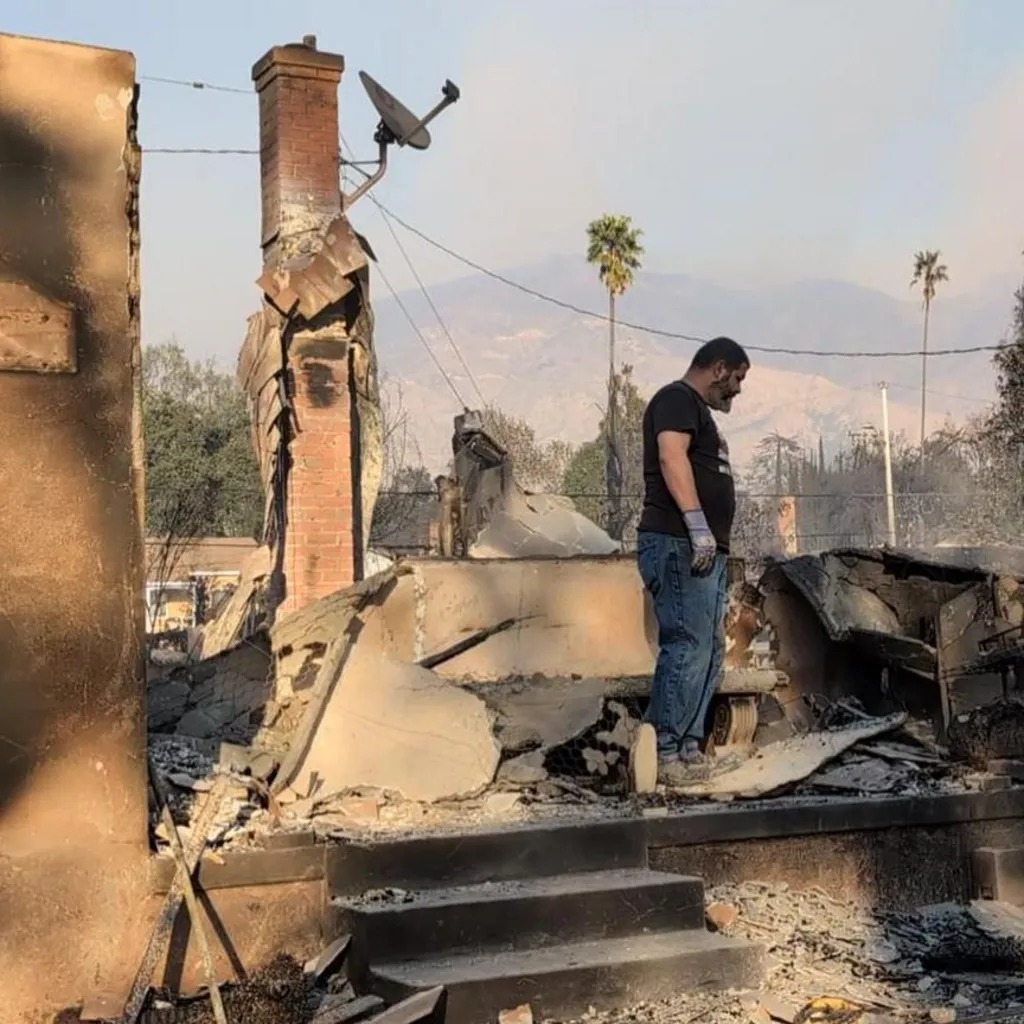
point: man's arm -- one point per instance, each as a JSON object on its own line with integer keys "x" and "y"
{"x": 674, "y": 457}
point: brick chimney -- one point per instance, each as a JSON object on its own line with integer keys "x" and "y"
{"x": 299, "y": 139}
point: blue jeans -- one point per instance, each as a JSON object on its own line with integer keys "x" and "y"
{"x": 690, "y": 611}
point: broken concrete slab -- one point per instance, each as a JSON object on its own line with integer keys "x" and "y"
{"x": 209, "y": 720}
{"x": 398, "y": 727}
{"x": 428, "y": 1006}
{"x": 359, "y": 808}
{"x": 782, "y": 764}
{"x": 539, "y": 526}
{"x": 323, "y": 621}
{"x": 212, "y": 697}
{"x": 501, "y": 803}
{"x": 543, "y": 713}
{"x": 524, "y": 770}
{"x": 229, "y": 625}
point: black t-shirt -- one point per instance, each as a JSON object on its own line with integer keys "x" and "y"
{"x": 678, "y": 408}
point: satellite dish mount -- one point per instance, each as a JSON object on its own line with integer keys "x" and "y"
{"x": 397, "y": 126}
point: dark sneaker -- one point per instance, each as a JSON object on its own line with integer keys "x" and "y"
{"x": 690, "y": 751}
{"x": 726, "y": 763}
{"x": 680, "y": 774}
{"x": 643, "y": 759}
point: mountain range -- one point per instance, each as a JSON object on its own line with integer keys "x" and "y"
{"x": 547, "y": 363}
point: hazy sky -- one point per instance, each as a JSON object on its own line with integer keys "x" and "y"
{"x": 753, "y": 140}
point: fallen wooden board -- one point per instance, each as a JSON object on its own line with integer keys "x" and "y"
{"x": 782, "y": 764}
{"x": 202, "y": 821}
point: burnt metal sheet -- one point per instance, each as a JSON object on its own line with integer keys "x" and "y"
{"x": 981, "y": 629}
{"x": 842, "y": 606}
{"x": 325, "y": 280}
{"x": 260, "y": 372}
{"x": 883, "y": 602}
{"x": 961, "y": 624}
{"x": 37, "y": 335}
{"x": 908, "y": 652}
{"x": 260, "y": 359}
{"x": 483, "y": 471}
{"x": 981, "y": 636}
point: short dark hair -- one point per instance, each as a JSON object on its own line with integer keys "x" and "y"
{"x": 720, "y": 350}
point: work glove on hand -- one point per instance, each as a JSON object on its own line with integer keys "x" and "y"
{"x": 702, "y": 540}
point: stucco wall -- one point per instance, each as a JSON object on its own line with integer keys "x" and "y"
{"x": 72, "y": 766}
{"x": 583, "y": 616}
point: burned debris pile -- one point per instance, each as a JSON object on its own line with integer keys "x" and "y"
{"x": 283, "y": 991}
{"x": 896, "y": 631}
{"x": 836, "y": 960}
{"x": 313, "y": 726}
{"x": 833, "y": 687}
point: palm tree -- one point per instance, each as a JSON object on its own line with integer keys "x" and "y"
{"x": 928, "y": 272}
{"x": 613, "y": 245}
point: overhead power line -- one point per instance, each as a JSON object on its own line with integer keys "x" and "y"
{"x": 660, "y": 332}
{"x": 423, "y": 288}
{"x": 594, "y": 314}
{"x": 408, "y": 261}
{"x": 206, "y": 86}
{"x": 206, "y": 152}
{"x": 421, "y": 336}
{"x": 944, "y": 394}
{"x": 430, "y": 302}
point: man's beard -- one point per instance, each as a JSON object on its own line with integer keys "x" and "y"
{"x": 720, "y": 401}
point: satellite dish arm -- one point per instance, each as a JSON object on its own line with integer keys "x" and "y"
{"x": 382, "y": 166}
{"x": 449, "y": 94}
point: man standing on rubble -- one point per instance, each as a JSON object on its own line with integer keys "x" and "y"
{"x": 682, "y": 544}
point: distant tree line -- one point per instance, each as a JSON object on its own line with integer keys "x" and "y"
{"x": 201, "y": 473}
{"x": 202, "y": 478}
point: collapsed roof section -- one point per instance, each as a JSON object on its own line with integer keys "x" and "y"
{"x": 486, "y": 514}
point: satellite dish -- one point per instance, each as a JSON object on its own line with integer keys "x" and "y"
{"x": 397, "y": 125}
{"x": 403, "y": 124}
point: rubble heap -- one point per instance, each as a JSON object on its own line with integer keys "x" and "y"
{"x": 321, "y": 731}
{"x": 937, "y": 965}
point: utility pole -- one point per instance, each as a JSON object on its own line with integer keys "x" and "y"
{"x": 890, "y": 504}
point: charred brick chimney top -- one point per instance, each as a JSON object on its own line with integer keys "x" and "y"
{"x": 299, "y": 137}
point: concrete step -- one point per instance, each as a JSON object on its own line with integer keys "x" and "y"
{"x": 534, "y": 851}
{"x": 526, "y": 914}
{"x": 562, "y": 981}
